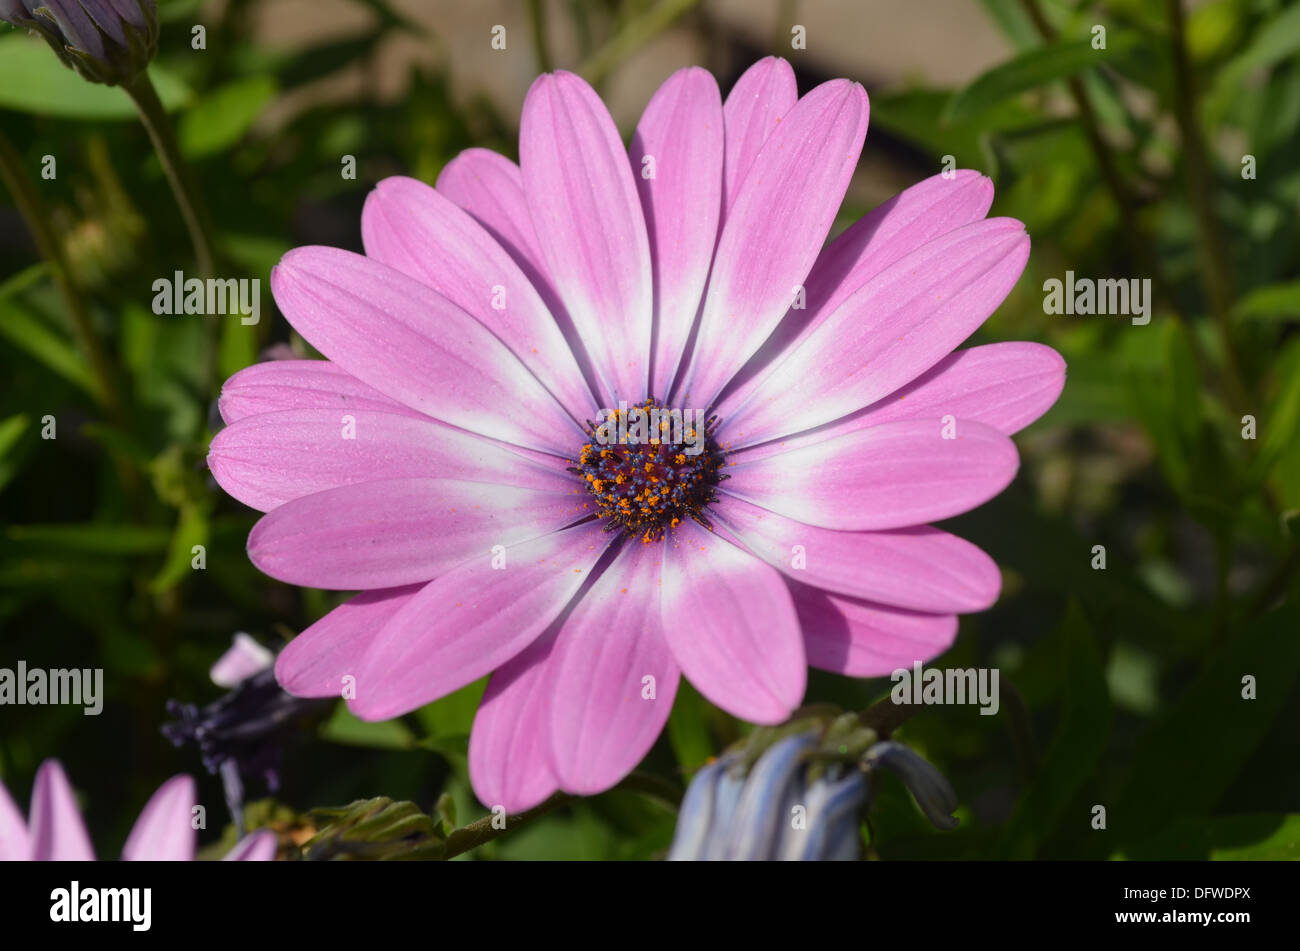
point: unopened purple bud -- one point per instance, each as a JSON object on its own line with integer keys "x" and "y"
{"x": 774, "y": 786}
{"x": 695, "y": 817}
{"x": 726, "y": 797}
{"x": 928, "y": 786}
{"x": 106, "y": 41}
{"x": 829, "y": 831}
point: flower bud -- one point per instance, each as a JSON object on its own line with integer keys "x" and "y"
{"x": 106, "y": 41}
{"x": 832, "y": 807}
{"x": 780, "y": 806}
{"x": 928, "y": 786}
{"x": 242, "y": 734}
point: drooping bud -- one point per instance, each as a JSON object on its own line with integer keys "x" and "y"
{"x": 927, "y": 785}
{"x": 106, "y": 41}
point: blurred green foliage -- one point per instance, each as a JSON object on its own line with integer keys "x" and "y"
{"x": 1122, "y": 687}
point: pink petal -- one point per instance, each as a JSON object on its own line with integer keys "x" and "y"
{"x": 890, "y": 476}
{"x": 409, "y": 226}
{"x": 921, "y": 568}
{"x": 681, "y": 131}
{"x": 861, "y": 639}
{"x": 491, "y": 188}
{"x": 602, "y": 722}
{"x": 775, "y": 230}
{"x": 582, "y": 197}
{"x": 415, "y": 346}
{"x": 259, "y": 846}
{"x": 15, "y": 842}
{"x": 300, "y": 384}
{"x": 316, "y": 661}
{"x": 57, "y": 832}
{"x": 1003, "y": 385}
{"x": 509, "y": 747}
{"x": 731, "y": 626}
{"x": 165, "y": 830}
{"x": 400, "y": 531}
{"x": 473, "y": 619}
{"x": 762, "y": 95}
{"x": 887, "y": 333}
{"x": 273, "y": 458}
{"x": 909, "y": 220}
{"x": 244, "y": 658}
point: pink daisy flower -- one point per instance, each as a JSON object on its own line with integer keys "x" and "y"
{"x": 163, "y": 832}
{"x": 439, "y": 462}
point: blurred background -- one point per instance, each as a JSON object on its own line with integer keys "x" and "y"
{"x": 1169, "y": 154}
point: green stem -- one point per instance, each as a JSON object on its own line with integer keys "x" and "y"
{"x": 1214, "y": 252}
{"x": 1115, "y": 184}
{"x": 188, "y": 198}
{"x": 32, "y": 209}
{"x": 1139, "y": 243}
{"x": 634, "y": 33}
{"x": 537, "y": 22}
{"x": 885, "y": 716}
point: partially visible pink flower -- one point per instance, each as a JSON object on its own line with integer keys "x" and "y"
{"x": 443, "y": 439}
{"x": 244, "y": 658}
{"x": 163, "y": 832}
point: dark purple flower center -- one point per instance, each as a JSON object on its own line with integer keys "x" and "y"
{"x": 649, "y": 467}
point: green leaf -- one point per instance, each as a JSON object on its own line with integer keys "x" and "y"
{"x": 1275, "y": 41}
{"x": 1224, "y": 839}
{"x": 24, "y": 279}
{"x": 1271, "y": 302}
{"x": 1284, "y": 843}
{"x": 1167, "y": 399}
{"x": 1012, "y": 20}
{"x": 238, "y": 346}
{"x": 22, "y": 328}
{"x": 688, "y": 729}
{"x": 377, "y": 829}
{"x": 1283, "y": 420}
{"x": 1188, "y": 760}
{"x": 914, "y": 115}
{"x": 1075, "y": 749}
{"x": 346, "y": 728}
{"x": 220, "y": 118}
{"x": 191, "y": 530}
{"x": 105, "y": 539}
{"x": 1033, "y": 68}
{"x": 12, "y": 453}
{"x": 33, "y": 80}
{"x": 447, "y": 721}
{"x": 255, "y": 253}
